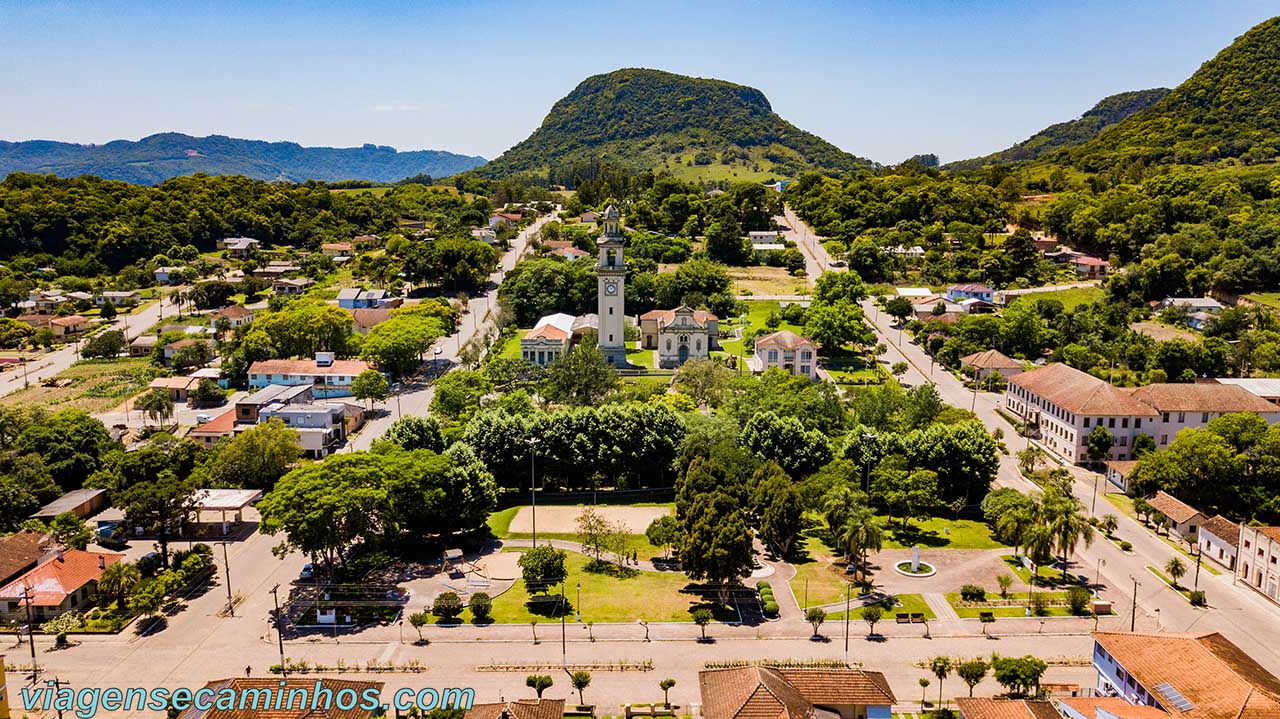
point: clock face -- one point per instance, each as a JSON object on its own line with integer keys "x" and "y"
{"x": 611, "y": 289}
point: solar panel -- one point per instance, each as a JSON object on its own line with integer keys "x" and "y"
{"x": 1175, "y": 698}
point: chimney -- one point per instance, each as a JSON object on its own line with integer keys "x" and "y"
{"x": 60, "y": 555}
{"x": 102, "y": 562}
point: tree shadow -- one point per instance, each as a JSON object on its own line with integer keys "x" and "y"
{"x": 911, "y": 535}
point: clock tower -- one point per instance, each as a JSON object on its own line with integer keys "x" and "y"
{"x": 611, "y": 272}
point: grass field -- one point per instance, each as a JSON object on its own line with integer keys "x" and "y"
{"x": 612, "y": 597}
{"x": 758, "y": 312}
{"x": 1045, "y": 576}
{"x": 898, "y": 603}
{"x": 1069, "y": 298}
{"x": 940, "y": 533}
{"x": 1270, "y": 299}
{"x": 767, "y": 281}
{"x": 1019, "y": 610}
{"x": 90, "y": 385}
{"x": 375, "y": 191}
{"x": 511, "y": 348}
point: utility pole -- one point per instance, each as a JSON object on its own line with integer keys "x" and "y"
{"x": 1093, "y": 508}
{"x": 31, "y": 634}
{"x": 226, "y": 570}
{"x": 1199, "y": 553}
{"x": 564, "y": 654}
{"x": 1133, "y": 616}
{"x": 284, "y": 670}
{"x": 533, "y": 496}
{"x": 848, "y": 589}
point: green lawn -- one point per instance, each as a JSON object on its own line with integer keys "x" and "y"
{"x": 641, "y": 357}
{"x": 940, "y": 533}
{"x": 1069, "y": 298}
{"x": 1122, "y": 502}
{"x": 626, "y": 597}
{"x": 816, "y": 581}
{"x": 1270, "y": 299}
{"x": 1018, "y": 610}
{"x": 511, "y": 348}
{"x": 758, "y": 312}
{"x": 897, "y": 604}
{"x": 1177, "y": 587}
{"x": 1045, "y": 576}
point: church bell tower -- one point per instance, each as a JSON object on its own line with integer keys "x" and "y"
{"x": 611, "y": 272}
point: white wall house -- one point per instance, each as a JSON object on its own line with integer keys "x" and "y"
{"x": 1256, "y": 562}
{"x": 1219, "y": 540}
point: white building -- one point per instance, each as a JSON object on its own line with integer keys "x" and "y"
{"x": 611, "y": 275}
{"x": 679, "y": 335}
{"x": 1259, "y": 552}
{"x": 788, "y": 351}
{"x": 764, "y": 237}
{"x": 1065, "y": 405}
{"x": 1192, "y": 304}
{"x": 1219, "y": 540}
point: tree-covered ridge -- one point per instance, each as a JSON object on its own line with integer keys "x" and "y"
{"x": 156, "y": 158}
{"x": 639, "y": 118}
{"x": 1108, "y": 111}
{"x": 1230, "y": 108}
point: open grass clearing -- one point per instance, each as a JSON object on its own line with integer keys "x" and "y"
{"x": 1270, "y": 299}
{"x": 896, "y": 604}
{"x": 1044, "y": 576}
{"x": 1070, "y": 298}
{"x": 764, "y": 280}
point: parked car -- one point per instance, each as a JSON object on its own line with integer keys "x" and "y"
{"x": 308, "y": 572}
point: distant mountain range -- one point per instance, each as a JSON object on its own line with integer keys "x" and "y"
{"x": 649, "y": 119}
{"x": 1108, "y": 111}
{"x": 156, "y": 158}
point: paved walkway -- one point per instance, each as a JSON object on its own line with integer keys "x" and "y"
{"x": 940, "y": 606}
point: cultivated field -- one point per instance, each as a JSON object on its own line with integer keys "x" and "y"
{"x": 90, "y": 385}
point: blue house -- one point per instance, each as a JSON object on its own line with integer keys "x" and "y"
{"x": 354, "y": 298}
{"x": 972, "y": 291}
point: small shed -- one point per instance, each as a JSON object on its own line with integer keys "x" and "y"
{"x": 80, "y": 502}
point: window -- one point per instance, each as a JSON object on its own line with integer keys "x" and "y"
{"x": 1124, "y": 423}
{"x": 1164, "y": 417}
{"x": 1124, "y": 441}
{"x": 610, "y": 310}
{"x": 1137, "y": 423}
{"x": 668, "y": 343}
{"x": 1086, "y": 422}
{"x": 1111, "y": 422}
{"x": 773, "y": 355}
{"x": 1204, "y": 416}
{"x": 1182, "y": 417}
{"x": 1164, "y": 439}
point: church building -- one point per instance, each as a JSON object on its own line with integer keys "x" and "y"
{"x": 679, "y": 335}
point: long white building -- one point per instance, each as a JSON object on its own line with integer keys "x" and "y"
{"x": 1065, "y": 405}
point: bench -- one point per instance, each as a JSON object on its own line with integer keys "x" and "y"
{"x": 986, "y": 617}
{"x": 917, "y": 618}
{"x": 903, "y": 618}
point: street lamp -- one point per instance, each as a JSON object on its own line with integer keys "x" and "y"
{"x": 1097, "y": 576}
{"x": 577, "y": 605}
{"x": 284, "y": 670}
{"x": 533, "y": 497}
{"x": 848, "y": 589}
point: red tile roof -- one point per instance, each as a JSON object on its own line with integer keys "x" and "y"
{"x": 666, "y": 317}
{"x": 991, "y": 359}
{"x": 68, "y": 321}
{"x": 980, "y": 708}
{"x": 1172, "y": 507}
{"x": 1222, "y": 528}
{"x": 1080, "y": 392}
{"x": 785, "y": 339}
{"x": 548, "y": 331}
{"x": 1218, "y": 679}
{"x": 234, "y": 312}
{"x": 757, "y": 692}
{"x": 239, "y": 685}
{"x": 55, "y": 578}
{"x": 19, "y": 552}
{"x": 222, "y": 425}
{"x": 368, "y": 317}
{"x": 1115, "y": 706}
{"x": 1169, "y": 397}
{"x": 520, "y": 709}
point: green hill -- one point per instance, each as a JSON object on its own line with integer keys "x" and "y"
{"x": 156, "y": 158}
{"x": 648, "y": 119}
{"x": 1108, "y": 111}
{"x": 1230, "y": 108}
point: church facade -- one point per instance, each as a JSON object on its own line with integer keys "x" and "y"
{"x": 679, "y": 335}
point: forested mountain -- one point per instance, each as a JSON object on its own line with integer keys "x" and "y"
{"x": 1108, "y": 111}
{"x": 650, "y": 120}
{"x": 156, "y": 158}
{"x": 1230, "y": 108}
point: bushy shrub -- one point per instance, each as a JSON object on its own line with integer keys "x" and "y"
{"x": 1197, "y": 598}
{"x": 762, "y": 586}
{"x": 1039, "y": 605}
{"x": 973, "y": 593}
{"x": 771, "y": 609}
{"x": 447, "y": 605}
{"x": 481, "y": 606}
{"x": 1078, "y": 600}
{"x": 1126, "y": 546}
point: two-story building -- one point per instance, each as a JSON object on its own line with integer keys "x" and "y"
{"x": 679, "y": 335}
{"x": 327, "y": 377}
{"x": 792, "y": 353}
{"x": 64, "y": 582}
{"x": 321, "y": 427}
{"x": 1256, "y": 560}
{"x": 970, "y": 291}
{"x": 1193, "y": 405}
{"x": 1219, "y": 540}
{"x": 236, "y": 316}
{"x": 757, "y": 692}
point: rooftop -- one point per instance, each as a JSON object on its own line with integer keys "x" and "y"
{"x": 1108, "y": 707}
{"x": 1080, "y": 392}
{"x": 50, "y": 582}
{"x": 234, "y": 312}
{"x": 756, "y": 692}
{"x": 222, "y": 425}
{"x": 970, "y": 287}
{"x": 666, "y": 317}
{"x": 784, "y": 339}
{"x": 991, "y": 359}
{"x": 981, "y": 708}
{"x": 1201, "y": 397}
{"x": 19, "y": 551}
{"x": 1216, "y": 679}
{"x": 1172, "y": 507}
{"x": 69, "y": 501}
{"x": 1222, "y": 528}
{"x": 275, "y": 393}
{"x": 226, "y": 499}
{"x": 369, "y": 317}
{"x": 520, "y": 709}
{"x": 346, "y": 368}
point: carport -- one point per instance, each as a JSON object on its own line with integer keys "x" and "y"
{"x": 223, "y": 501}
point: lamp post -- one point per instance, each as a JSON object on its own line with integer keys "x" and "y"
{"x": 284, "y": 670}
{"x": 1097, "y": 576}
{"x": 533, "y": 497}
{"x": 1133, "y": 616}
{"x": 577, "y": 605}
{"x": 226, "y": 570}
{"x": 1093, "y": 508}
{"x": 848, "y": 589}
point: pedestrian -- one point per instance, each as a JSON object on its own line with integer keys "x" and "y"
{"x": 247, "y": 671}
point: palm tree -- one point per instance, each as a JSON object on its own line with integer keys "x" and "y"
{"x": 1014, "y": 524}
{"x": 156, "y": 404}
{"x": 861, "y": 534}
{"x": 1068, "y": 525}
{"x": 838, "y": 504}
{"x": 119, "y": 579}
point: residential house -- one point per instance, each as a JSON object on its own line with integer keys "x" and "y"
{"x": 679, "y": 335}
{"x": 927, "y": 307}
{"x": 984, "y": 364}
{"x": 758, "y": 692}
{"x": 276, "y": 269}
{"x": 518, "y": 709}
{"x": 589, "y": 216}
{"x": 178, "y": 388}
{"x": 975, "y": 306}
{"x": 485, "y": 235}
{"x": 297, "y": 697}
{"x": 1118, "y": 471}
{"x": 1200, "y": 321}
{"x": 762, "y": 250}
{"x": 1259, "y": 551}
{"x": 501, "y": 220}
{"x": 549, "y": 340}
{"x": 62, "y": 583}
{"x": 237, "y": 315}
{"x": 239, "y": 247}
{"x": 1090, "y": 268}
{"x": 45, "y": 301}
{"x": 971, "y": 290}
{"x": 912, "y": 252}
{"x": 1191, "y": 304}
{"x": 249, "y": 408}
{"x": 35, "y": 321}
{"x": 337, "y": 249}
{"x": 1064, "y": 405}
{"x": 1183, "y": 518}
{"x": 1194, "y": 675}
{"x": 1098, "y": 707}
{"x": 327, "y": 376}
{"x": 354, "y": 298}
{"x": 21, "y": 551}
{"x": 366, "y": 242}
{"x": 569, "y": 253}
{"x": 170, "y": 275}
{"x": 173, "y": 348}
{"x": 143, "y": 345}
{"x": 764, "y": 237}
{"x": 291, "y": 285}
{"x": 1220, "y": 540}
{"x": 117, "y": 298}
{"x": 1045, "y": 243}
{"x": 788, "y": 351}
{"x": 914, "y": 293}
{"x": 983, "y": 708}
{"x": 366, "y": 318}
{"x": 210, "y": 433}
{"x": 67, "y": 327}
{"x": 321, "y": 428}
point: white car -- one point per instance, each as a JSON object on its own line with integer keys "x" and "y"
{"x": 202, "y": 418}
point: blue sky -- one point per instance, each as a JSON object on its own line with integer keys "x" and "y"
{"x": 880, "y": 79}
